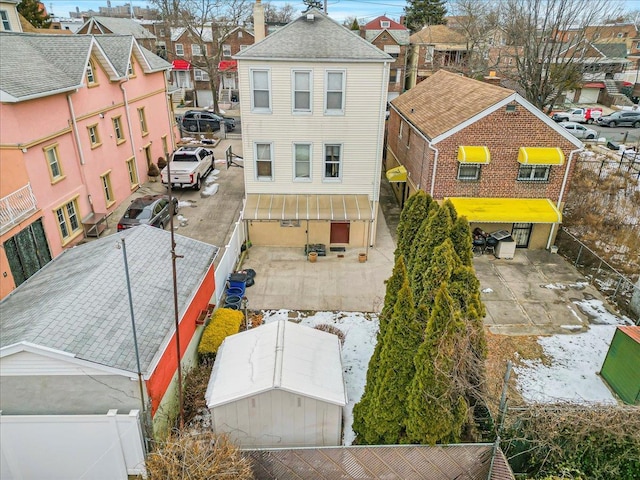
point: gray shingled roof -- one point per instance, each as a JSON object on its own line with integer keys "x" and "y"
{"x": 124, "y": 26}
{"x": 78, "y": 303}
{"x": 34, "y": 65}
{"x": 321, "y": 39}
{"x": 612, "y": 50}
{"x": 28, "y": 67}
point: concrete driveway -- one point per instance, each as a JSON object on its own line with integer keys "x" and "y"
{"x": 533, "y": 294}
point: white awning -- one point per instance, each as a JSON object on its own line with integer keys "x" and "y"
{"x": 307, "y": 207}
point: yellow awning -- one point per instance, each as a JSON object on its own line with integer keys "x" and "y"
{"x": 397, "y": 174}
{"x": 540, "y": 156}
{"x": 307, "y": 207}
{"x": 474, "y": 155}
{"x": 507, "y": 210}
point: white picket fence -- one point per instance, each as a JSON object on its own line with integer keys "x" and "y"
{"x": 230, "y": 258}
{"x": 94, "y": 447}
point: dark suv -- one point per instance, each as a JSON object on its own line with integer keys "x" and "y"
{"x": 204, "y": 121}
{"x": 621, "y": 118}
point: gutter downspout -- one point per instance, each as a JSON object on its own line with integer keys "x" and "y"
{"x": 126, "y": 112}
{"x": 378, "y": 172}
{"x": 435, "y": 167}
{"x": 76, "y": 137}
{"x": 562, "y": 189}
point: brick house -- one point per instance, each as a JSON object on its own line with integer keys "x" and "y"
{"x": 392, "y": 38}
{"x": 77, "y": 139}
{"x": 502, "y": 162}
{"x": 435, "y": 47}
{"x": 234, "y": 42}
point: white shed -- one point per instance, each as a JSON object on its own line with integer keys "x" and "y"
{"x": 278, "y": 385}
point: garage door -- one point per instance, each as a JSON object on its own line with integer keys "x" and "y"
{"x": 589, "y": 95}
{"x": 205, "y": 98}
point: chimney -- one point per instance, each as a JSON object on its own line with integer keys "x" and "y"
{"x": 492, "y": 78}
{"x": 258, "y": 21}
{"x": 403, "y": 20}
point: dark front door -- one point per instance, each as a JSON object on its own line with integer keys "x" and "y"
{"x": 339, "y": 232}
{"x": 27, "y": 252}
{"x": 521, "y": 233}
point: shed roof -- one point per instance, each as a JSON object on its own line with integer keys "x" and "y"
{"x": 407, "y": 462}
{"x": 78, "y": 303}
{"x": 319, "y": 39}
{"x": 279, "y": 355}
{"x": 632, "y": 332}
{"x": 121, "y": 26}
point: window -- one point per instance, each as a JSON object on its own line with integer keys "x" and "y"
{"x": 239, "y": 33}
{"x": 385, "y": 24}
{"x": 117, "y": 128}
{"x": 393, "y": 50}
{"x": 91, "y": 73}
{"x": 511, "y": 108}
{"x": 94, "y": 138}
{"x": 133, "y": 172}
{"x": 332, "y": 162}
{"x": 105, "y": 178}
{"x": 130, "y": 71}
{"x": 143, "y": 121}
{"x": 226, "y": 50}
{"x": 302, "y": 91}
{"x": 244, "y": 47}
{"x": 6, "y": 24}
{"x": 260, "y": 91}
{"x": 302, "y": 161}
{"x": 53, "y": 161}
{"x": 534, "y": 173}
{"x": 198, "y": 50}
{"x": 179, "y": 50}
{"x": 68, "y": 222}
{"x": 264, "y": 161}
{"x": 165, "y": 145}
{"x": 334, "y": 93}
{"x": 469, "y": 171}
{"x": 429, "y": 54}
{"x": 200, "y": 75}
{"x": 393, "y": 75}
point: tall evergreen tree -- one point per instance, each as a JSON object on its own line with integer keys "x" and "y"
{"x": 436, "y": 409}
{"x": 452, "y": 209}
{"x": 439, "y": 271}
{"x": 413, "y": 213}
{"x": 424, "y": 12}
{"x": 396, "y": 370}
{"x": 34, "y": 13}
{"x": 362, "y": 410}
{"x": 461, "y": 238}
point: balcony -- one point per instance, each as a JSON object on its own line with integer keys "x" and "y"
{"x": 16, "y": 207}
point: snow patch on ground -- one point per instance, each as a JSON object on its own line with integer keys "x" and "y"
{"x": 185, "y": 203}
{"x": 210, "y": 190}
{"x": 360, "y": 330}
{"x": 487, "y": 290}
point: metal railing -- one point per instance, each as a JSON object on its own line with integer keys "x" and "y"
{"x": 627, "y": 163}
{"x": 16, "y": 206}
{"x": 618, "y": 289}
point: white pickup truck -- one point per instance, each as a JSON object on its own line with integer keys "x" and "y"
{"x": 189, "y": 166}
{"x": 580, "y": 115}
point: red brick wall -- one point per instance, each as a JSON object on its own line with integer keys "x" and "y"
{"x": 235, "y": 40}
{"x": 503, "y": 133}
{"x": 398, "y": 64}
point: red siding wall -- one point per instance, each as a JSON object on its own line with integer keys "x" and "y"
{"x": 161, "y": 377}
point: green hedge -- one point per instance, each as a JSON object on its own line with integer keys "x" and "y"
{"x": 224, "y": 322}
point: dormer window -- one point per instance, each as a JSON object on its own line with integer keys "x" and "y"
{"x": 130, "y": 71}
{"x": 385, "y": 24}
{"x": 91, "y": 75}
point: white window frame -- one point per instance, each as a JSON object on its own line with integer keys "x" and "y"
{"x": 293, "y": 91}
{"x": 197, "y": 50}
{"x": 325, "y": 178}
{"x": 244, "y": 47}
{"x": 179, "y": 50}
{"x": 6, "y": 23}
{"x": 255, "y": 109}
{"x": 469, "y": 178}
{"x": 296, "y": 178}
{"x": 385, "y": 23}
{"x": 200, "y": 75}
{"x": 255, "y": 162}
{"x": 226, "y": 50}
{"x": 531, "y": 177}
{"x": 334, "y": 111}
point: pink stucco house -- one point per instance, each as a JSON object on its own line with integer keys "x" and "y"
{"x": 81, "y": 119}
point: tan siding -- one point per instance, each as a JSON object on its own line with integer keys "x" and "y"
{"x": 359, "y": 130}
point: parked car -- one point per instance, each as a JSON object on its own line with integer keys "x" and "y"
{"x": 189, "y": 166}
{"x": 622, "y": 118}
{"x": 150, "y": 210}
{"x": 579, "y": 131}
{"x": 581, "y": 115}
{"x": 205, "y": 121}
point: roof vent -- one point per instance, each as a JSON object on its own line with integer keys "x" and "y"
{"x": 310, "y": 17}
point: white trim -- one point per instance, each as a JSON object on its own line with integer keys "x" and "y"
{"x": 256, "y": 177}
{"x": 293, "y": 155}
{"x": 63, "y": 356}
{"x": 295, "y": 111}
{"x": 255, "y": 109}
{"x": 511, "y": 98}
{"x": 335, "y": 111}
{"x": 337, "y": 179}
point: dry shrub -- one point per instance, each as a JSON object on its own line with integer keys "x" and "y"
{"x": 256, "y": 319}
{"x": 195, "y": 387}
{"x": 331, "y": 329}
{"x": 201, "y": 456}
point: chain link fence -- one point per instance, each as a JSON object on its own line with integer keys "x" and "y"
{"x": 618, "y": 289}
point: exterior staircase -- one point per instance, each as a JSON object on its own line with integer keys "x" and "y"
{"x": 611, "y": 86}
{"x": 613, "y": 91}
